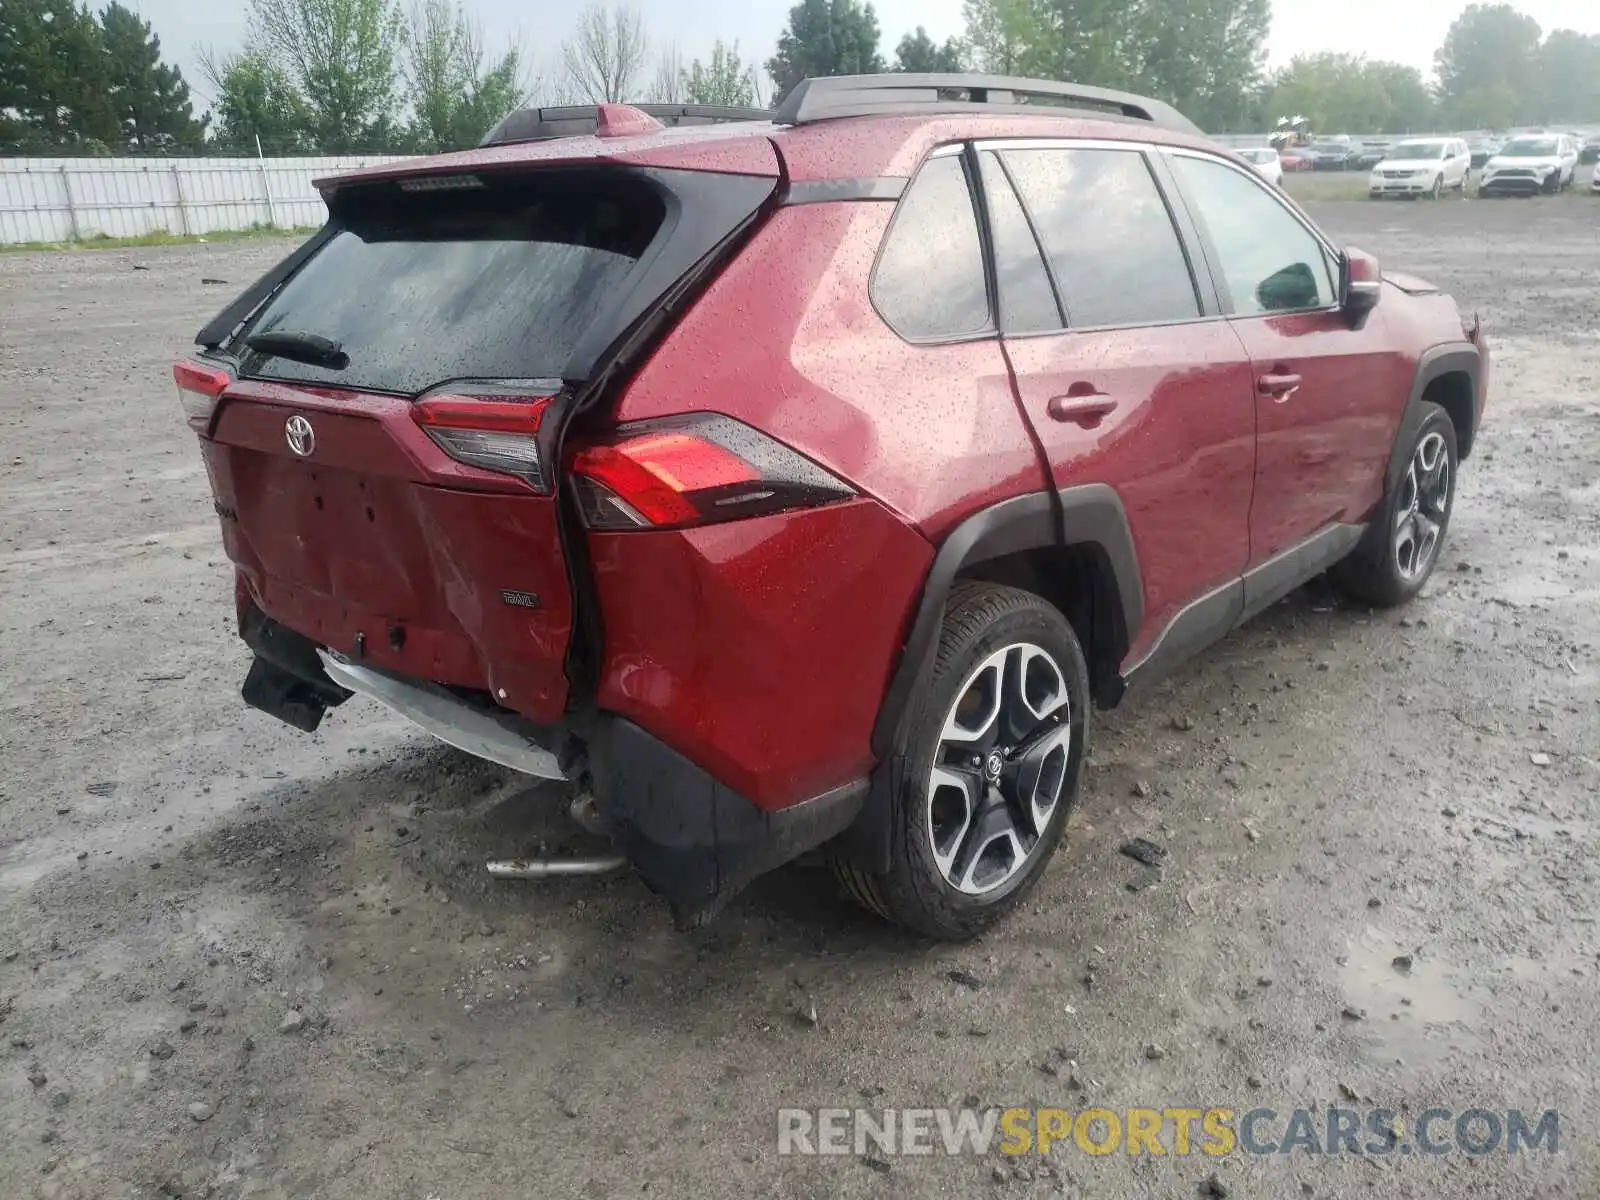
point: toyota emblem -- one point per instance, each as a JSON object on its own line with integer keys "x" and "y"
{"x": 301, "y": 437}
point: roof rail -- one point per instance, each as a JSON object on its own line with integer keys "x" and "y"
{"x": 578, "y": 120}
{"x": 903, "y": 93}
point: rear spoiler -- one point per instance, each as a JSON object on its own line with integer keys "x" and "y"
{"x": 581, "y": 120}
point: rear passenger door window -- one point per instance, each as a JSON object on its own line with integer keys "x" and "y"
{"x": 1027, "y": 297}
{"x": 929, "y": 284}
{"x": 1268, "y": 260}
{"x": 1108, "y": 235}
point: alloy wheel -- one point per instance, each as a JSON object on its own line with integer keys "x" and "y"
{"x": 1424, "y": 505}
{"x": 1000, "y": 768}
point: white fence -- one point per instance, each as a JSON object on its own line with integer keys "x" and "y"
{"x": 67, "y": 199}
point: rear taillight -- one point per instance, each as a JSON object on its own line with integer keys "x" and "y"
{"x": 198, "y": 389}
{"x": 493, "y": 429}
{"x": 697, "y": 469}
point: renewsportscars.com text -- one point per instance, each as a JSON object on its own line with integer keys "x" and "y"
{"x": 1162, "y": 1131}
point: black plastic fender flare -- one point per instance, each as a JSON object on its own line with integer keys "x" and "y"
{"x": 1439, "y": 361}
{"x": 1090, "y": 513}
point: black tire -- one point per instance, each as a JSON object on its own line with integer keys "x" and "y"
{"x": 1373, "y": 570}
{"x": 1438, "y": 187}
{"x": 980, "y": 620}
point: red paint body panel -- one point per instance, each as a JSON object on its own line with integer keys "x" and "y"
{"x": 1321, "y": 451}
{"x": 760, "y": 648}
{"x": 1179, "y": 448}
{"x": 381, "y": 529}
{"x": 931, "y": 431}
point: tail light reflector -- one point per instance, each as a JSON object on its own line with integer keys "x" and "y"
{"x": 697, "y": 469}
{"x": 494, "y": 429}
{"x": 198, "y": 389}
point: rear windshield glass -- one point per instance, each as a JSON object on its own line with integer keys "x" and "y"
{"x": 496, "y": 280}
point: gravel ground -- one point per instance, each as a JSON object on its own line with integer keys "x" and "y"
{"x": 240, "y": 961}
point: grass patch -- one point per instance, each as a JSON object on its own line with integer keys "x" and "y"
{"x": 160, "y": 238}
{"x": 1326, "y": 185}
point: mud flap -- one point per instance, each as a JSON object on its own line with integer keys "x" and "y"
{"x": 288, "y": 697}
{"x": 286, "y": 680}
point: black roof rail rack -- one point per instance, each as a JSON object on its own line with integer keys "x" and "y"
{"x": 577, "y": 120}
{"x": 900, "y": 94}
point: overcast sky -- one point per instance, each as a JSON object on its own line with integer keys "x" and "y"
{"x": 1405, "y": 30}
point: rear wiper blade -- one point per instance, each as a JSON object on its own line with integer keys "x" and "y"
{"x": 310, "y": 348}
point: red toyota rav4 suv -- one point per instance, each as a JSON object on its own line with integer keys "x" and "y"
{"x": 800, "y": 479}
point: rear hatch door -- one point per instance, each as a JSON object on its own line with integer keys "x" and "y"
{"x": 384, "y": 460}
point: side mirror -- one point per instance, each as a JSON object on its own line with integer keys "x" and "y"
{"x": 1360, "y": 282}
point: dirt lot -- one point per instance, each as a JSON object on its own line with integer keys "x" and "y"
{"x": 178, "y": 873}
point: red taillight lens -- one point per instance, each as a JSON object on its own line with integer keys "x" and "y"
{"x": 694, "y": 470}
{"x": 493, "y": 430}
{"x": 198, "y": 389}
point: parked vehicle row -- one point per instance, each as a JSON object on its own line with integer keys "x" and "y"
{"x": 1528, "y": 163}
{"x": 1427, "y": 167}
{"x": 1526, "y": 166}
{"x": 1267, "y": 162}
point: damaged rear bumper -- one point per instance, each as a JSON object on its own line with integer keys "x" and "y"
{"x": 695, "y": 842}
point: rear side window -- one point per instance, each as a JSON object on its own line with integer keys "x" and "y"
{"x": 929, "y": 283}
{"x": 1111, "y": 241}
{"x": 495, "y": 282}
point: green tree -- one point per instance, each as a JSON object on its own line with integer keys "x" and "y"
{"x": 825, "y": 37}
{"x": 457, "y": 94}
{"x": 150, "y": 97}
{"x": 919, "y": 52}
{"x": 1569, "y": 73}
{"x": 725, "y": 80}
{"x": 342, "y": 57}
{"x": 1342, "y": 93}
{"x": 1409, "y": 105}
{"x": 1001, "y": 33}
{"x": 54, "y": 84}
{"x": 1489, "y": 67}
{"x": 256, "y": 100}
{"x": 1204, "y": 56}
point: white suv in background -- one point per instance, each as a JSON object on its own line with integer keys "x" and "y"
{"x": 1422, "y": 167}
{"x": 1266, "y": 162}
{"x": 1530, "y": 163}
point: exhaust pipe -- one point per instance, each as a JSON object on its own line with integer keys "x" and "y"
{"x": 548, "y": 868}
{"x": 586, "y": 813}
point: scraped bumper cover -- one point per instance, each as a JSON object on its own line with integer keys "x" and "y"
{"x": 445, "y": 715}
{"x": 696, "y": 842}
